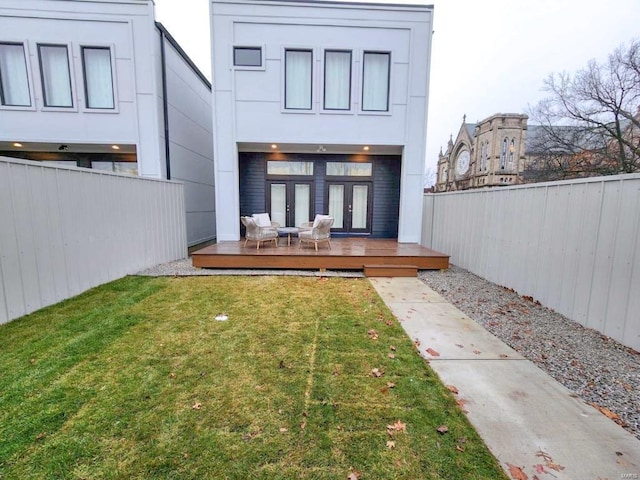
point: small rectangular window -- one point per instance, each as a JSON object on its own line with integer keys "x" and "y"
{"x": 14, "y": 80}
{"x": 289, "y": 168}
{"x": 98, "y": 77}
{"x": 349, "y": 169}
{"x": 337, "y": 80}
{"x": 56, "y": 76}
{"x": 298, "y": 79}
{"x": 247, "y": 56}
{"x": 375, "y": 81}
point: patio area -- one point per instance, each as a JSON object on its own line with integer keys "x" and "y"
{"x": 377, "y": 257}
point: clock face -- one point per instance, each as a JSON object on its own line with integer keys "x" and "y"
{"x": 462, "y": 162}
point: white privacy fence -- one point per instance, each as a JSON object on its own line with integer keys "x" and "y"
{"x": 572, "y": 245}
{"x": 64, "y": 230}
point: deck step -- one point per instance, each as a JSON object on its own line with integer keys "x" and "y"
{"x": 390, "y": 271}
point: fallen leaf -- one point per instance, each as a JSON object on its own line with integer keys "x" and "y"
{"x": 392, "y": 348}
{"x": 172, "y": 375}
{"x": 416, "y": 342}
{"x": 459, "y": 448}
{"x": 41, "y": 436}
{"x": 452, "y": 389}
{"x": 605, "y": 411}
{"x": 355, "y": 475}
{"x": 432, "y": 352}
{"x": 185, "y": 455}
{"x": 477, "y": 352}
{"x": 539, "y": 468}
{"x": 502, "y": 355}
{"x": 303, "y": 425}
{"x": 196, "y": 406}
{"x": 391, "y": 385}
{"x": 384, "y": 390}
{"x": 461, "y": 403}
{"x": 376, "y": 372}
{"x": 389, "y": 323}
{"x": 459, "y": 345}
{"x": 392, "y": 356}
{"x": 397, "y": 426}
{"x": 283, "y": 430}
{"x": 391, "y": 444}
{"x": 373, "y": 335}
{"x": 442, "y": 429}
{"x": 517, "y": 473}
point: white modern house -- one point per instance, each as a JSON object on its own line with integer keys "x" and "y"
{"x": 99, "y": 84}
{"x": 321, "y": 107}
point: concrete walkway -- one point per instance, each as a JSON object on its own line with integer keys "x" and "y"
{"x": 529, "y": 421}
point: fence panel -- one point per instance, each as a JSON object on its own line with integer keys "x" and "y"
{"x": 572, "y": 245}
{"x": 64, "y": 230}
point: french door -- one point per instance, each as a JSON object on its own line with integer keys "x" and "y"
{"x": 349, "y": 203}
{"x": 289, "y": 202}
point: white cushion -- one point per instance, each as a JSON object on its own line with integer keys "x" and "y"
{"x": 318, "y": 218}
{"x": 262, "y": 219}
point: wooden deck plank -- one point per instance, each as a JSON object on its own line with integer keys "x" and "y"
{"x": 345, "y": 254}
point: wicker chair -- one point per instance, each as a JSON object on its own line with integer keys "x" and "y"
{"x": 319, "y": 232}
{"x": 257, "y": 233}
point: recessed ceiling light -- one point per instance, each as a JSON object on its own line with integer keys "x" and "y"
{"x": 365, "y": 148}
{"x": 115, "y": 147}
{"x": 273, "y": 145}
{"x": 17, "y": 144}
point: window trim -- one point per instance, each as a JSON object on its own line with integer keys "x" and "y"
{"x": 32, "y": 96}
{"x": 263, "y": 60}
{"x": 349, "y": 110}
{"x": 284, "y": 79}
{"x": 114, "y": 89}
{"x": 376, "y": 112}
{"x": 72, "y": 88}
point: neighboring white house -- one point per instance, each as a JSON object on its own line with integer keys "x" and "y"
{"x": 99, "y": 84}
{"x": 321, "y": 107}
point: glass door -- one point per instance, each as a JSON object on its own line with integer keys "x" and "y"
{"x": 289, "y": 202}
{"x": 349, "y": 203}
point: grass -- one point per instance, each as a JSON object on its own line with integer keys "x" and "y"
{"x": 136, "y": 379}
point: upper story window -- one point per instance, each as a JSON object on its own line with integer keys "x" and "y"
{"x": 503, "y": 154}
{"x": 247, "y": 56}
{"x": 56, "y": 76}
{"x": 337, "y": 80}
{"x": 298, "y": 79}
{"x": 14, "y": 80}
{"x": 98, "y": 77}
{"x": 512, "y": 150}
{"x": 375, "y": 81}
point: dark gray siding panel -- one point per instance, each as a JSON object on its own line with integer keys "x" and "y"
{"x": 386, "y": 186}
{"x": 386, "y": 196}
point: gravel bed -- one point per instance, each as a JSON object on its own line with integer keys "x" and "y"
{"x": 596, "y": 368}
{"x": 184, "y": 268}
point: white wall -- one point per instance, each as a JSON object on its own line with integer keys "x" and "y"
{"x": 573, "y": 245}
{"x": 248, "y": 104}
{"x": 191, "y": 144}
{"x": 128, "y": 28}
{"x": 65, "y": 230}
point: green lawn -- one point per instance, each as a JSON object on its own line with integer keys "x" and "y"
{"x": 136, "y": 379}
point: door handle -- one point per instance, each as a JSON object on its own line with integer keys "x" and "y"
{"x": 350, "y": 209}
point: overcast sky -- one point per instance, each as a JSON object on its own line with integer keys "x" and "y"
{"x": 487, "y": 56}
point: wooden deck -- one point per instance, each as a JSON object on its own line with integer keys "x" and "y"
{"x": 345, "y": 254}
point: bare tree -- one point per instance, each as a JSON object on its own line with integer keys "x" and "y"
{"x": 590, "y": 122}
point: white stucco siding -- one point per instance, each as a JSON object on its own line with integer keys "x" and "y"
{"x": 191, "y": 146}
{"x": 249, "y": 102}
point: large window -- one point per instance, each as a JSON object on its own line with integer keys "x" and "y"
{"x": 337, "y": 80}
{"x": 56, "y": 77}
{"x": 298, "y": 79}
{"x": 503, "y": 154}
{"x": 14, "y": 83}
{"x": 247, "y": 56}
{"x": 375, "y": 81}
{"x": 98, "y": 78}
{"x": 349, "y": 169}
